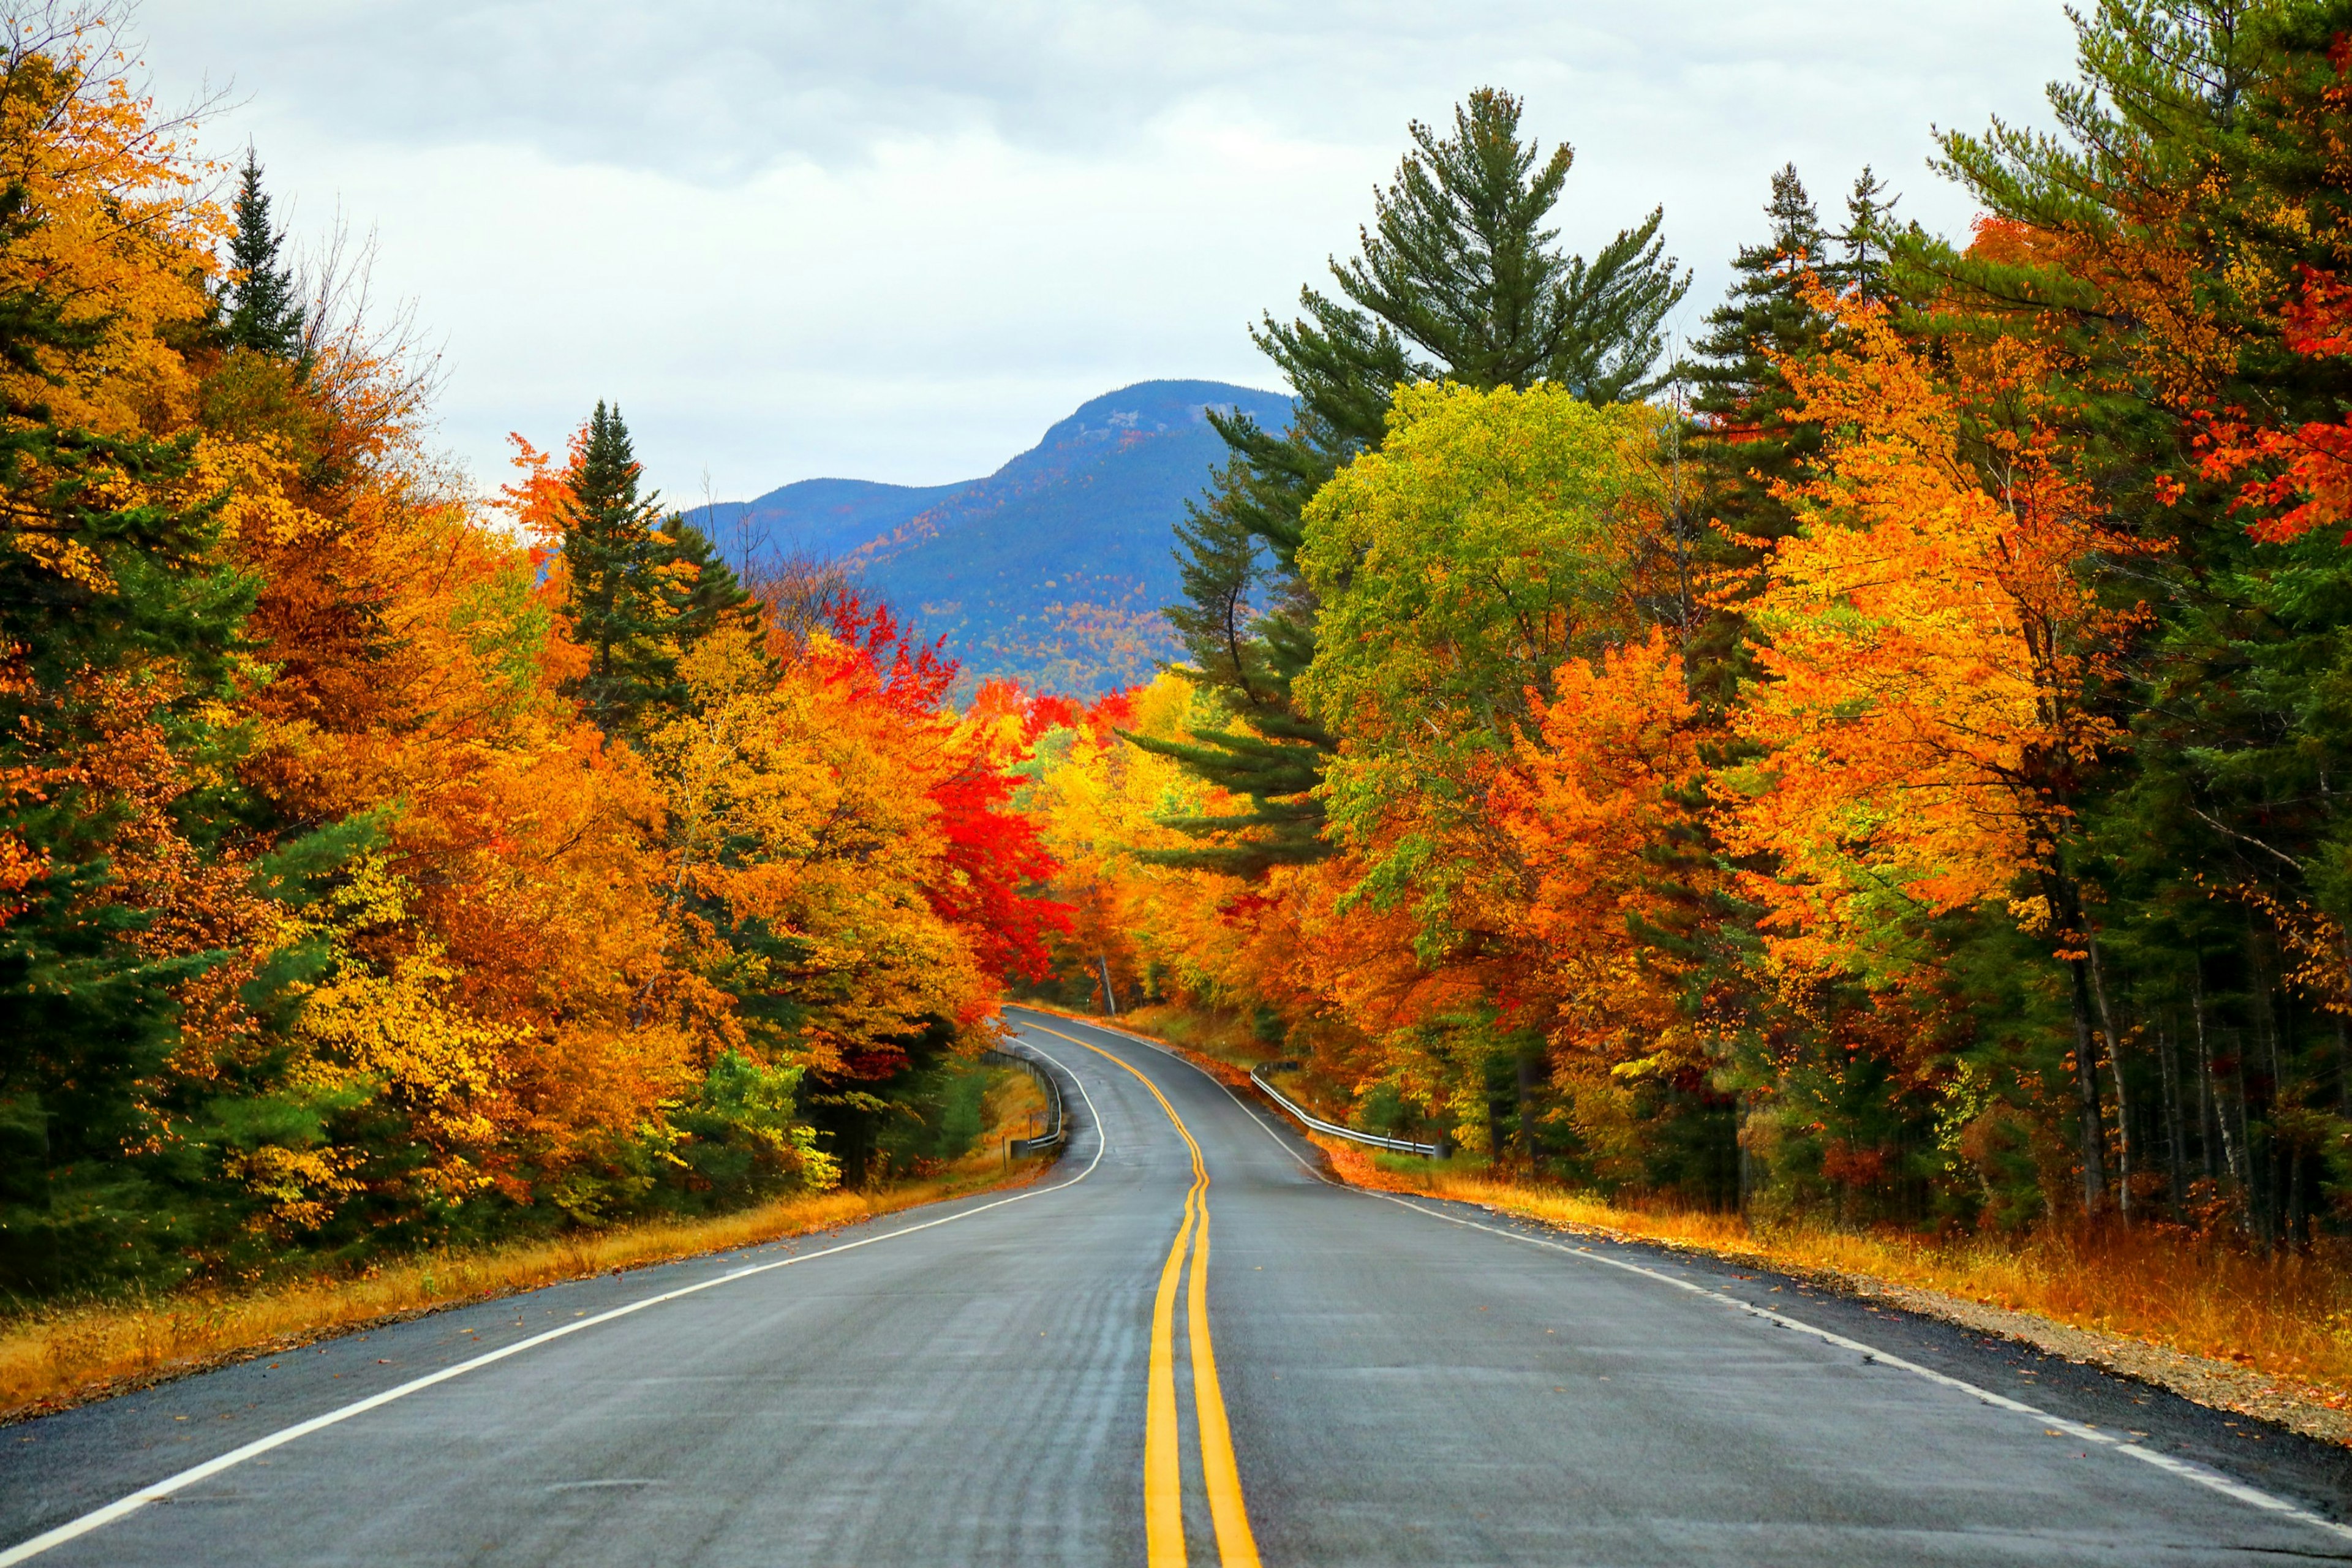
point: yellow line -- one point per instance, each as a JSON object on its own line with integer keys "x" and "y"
{"x": 1162, "y": 1497}
{"x": 1163, "y": 1473}
{"x": 1236, "y": 1547}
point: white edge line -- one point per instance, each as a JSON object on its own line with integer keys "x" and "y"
{"x": 2211, "y": 1479}
{"x": 122, "y": 1508}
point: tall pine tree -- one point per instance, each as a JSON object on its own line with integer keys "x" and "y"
{"x": 626, "y": 591}
{"x": 713, "y": 593}
{"x": 1749, "y": 443}
{"x": 265, "y": 313}
{"x": 1459, "y": 280}
{"x": 1867, "y": 244}
{"x": 1746, "y": 445}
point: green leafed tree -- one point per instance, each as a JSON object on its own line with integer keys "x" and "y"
{"x": 1738, "y": 393}
{"x": 713, "y": 592}
{"x": 626, "y": 591}
{"x": 1867, "y": 243}
{"x": 643, "y": 586}
{"x": 1460, "y": 278}
{"x": 265, "y": 310}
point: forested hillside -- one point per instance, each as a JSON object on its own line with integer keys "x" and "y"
{"x": 1053, "y": 570}
{"x": 815, "y": 520}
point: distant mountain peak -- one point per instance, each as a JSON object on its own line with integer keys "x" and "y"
{"x": 1156, "y": 406}
{"x": 1053, "y": 569}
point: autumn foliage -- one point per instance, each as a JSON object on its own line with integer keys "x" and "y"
{"x": 1905, "y": 786}
{"x": 1910, "y": 789}
{"x": 330, "y": 917}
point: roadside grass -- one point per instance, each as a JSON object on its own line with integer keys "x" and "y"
{"x": 1014, "y": 1106}
{"x": 2287, "y": 1315}
{"x": 55, "y": 1356}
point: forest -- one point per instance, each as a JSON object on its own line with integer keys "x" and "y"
{"x": 383, "y": 867}
{"x": 1872, "y": 764}
{"x": 1869, "y": 763}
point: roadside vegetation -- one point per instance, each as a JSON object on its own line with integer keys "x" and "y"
{"x": 1866, "y": 788}
{"x": 387, "y": 871}
{"x": 63, "y": 1352}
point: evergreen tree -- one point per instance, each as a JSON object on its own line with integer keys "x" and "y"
{"x": 628, "y": 589}
{"x": 713, "y": 593}
{"x": 1745, "y": 444}
{"x": 144, "y": 636}
{"x": 1458, "y": 279}
{"x": 1864, "y": 265}
{"x": 264, "y": 313}
{"x": 2194, "y": 188}
{"x": 1748, "y": 443}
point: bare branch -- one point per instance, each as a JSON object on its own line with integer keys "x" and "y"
{"x": 371, "y": 362}
{"x": 2219, "y": 826}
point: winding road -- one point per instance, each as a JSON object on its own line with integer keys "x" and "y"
{"x": 1181, "y": 1346}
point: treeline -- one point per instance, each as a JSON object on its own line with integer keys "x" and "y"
{"x": 377, "y": 868}
{"x": 1887, "y": 762}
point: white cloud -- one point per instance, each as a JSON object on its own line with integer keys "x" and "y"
{"x": 895, "y": 240}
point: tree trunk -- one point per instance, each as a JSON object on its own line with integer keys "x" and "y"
{"x": 1530, "y": 1071}
{"x": 2086, "y": 1087}
{"x": 2209, "y": 1129}
{"x": 2343, "y": 1066}
{"x": 2292, "y": 1161}
{"x": 2114, "y": 1044}
{"x": 1739, "y": 1138}
{"x": 2169, "y": 1078}
{"x": 2257, "y": 1219}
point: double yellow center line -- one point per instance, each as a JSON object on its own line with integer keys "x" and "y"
{"x": 1163, "y": 1473}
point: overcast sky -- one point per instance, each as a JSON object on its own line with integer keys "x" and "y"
{"x": 890, "y": 239}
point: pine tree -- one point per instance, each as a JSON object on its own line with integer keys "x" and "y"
{"x": 264, "y": 314}
{"x": 713, "y": 592}
{"x": 1867, "y": 244}
{"x": 145, "y": 637}
{"x": 1459, "y": 280}
{"x": 1738, "y": 393}
{"x": 627, "y": 592}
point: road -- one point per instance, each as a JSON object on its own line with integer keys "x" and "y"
{"x": 1057, "y": 1376}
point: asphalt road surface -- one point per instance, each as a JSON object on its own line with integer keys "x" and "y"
{"x": 1062, "y": 1375}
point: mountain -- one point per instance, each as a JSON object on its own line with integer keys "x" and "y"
{"x": 1053, "y": 569}
{"x": 816, "y": 518}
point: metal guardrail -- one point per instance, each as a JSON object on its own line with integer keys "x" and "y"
{"x": 1401, "y": 1145}
{"x": 1057, "y": 1125}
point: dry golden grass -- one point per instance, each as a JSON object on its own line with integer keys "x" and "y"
{"x": 52, "y": 1357}
{"x": 2286, "y": 1316}
{"x": 1015, "y": 1108}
